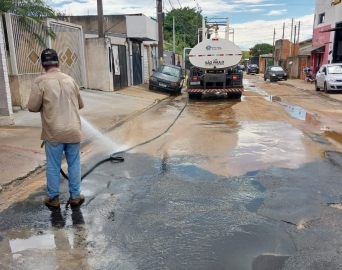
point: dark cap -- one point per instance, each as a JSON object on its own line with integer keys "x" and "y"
{"x": 49, "y": 57}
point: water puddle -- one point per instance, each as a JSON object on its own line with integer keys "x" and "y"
{"x": 335, "y": 136}
{"x": 273, "y": 98}
{"x": 254, "y": 205}
{"x": 329, "y": 198}
{"x": 261, "y": 144}
{"x": 45, "y": 241}
{"x": 295, "y": 111}
{"x": 251, "y": 173}
{"x": 269, "y": 262}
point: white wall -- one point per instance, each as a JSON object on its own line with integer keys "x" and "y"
{"x": 142, "y": 27}
{"x": 98, "y": 74}
{"x": 146, "y": 57}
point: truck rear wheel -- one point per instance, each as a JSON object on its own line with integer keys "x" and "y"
{"x": 234, "y": 95}
{"x": 195, "y": 95}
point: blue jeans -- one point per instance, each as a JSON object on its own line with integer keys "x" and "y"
{"x": 54, "y": 154}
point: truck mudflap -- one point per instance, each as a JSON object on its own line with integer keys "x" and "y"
{"x": 226, "y": 90}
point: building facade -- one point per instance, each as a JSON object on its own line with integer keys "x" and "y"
{"x": 327, "y": 33}
{"x": 128, "y": 53}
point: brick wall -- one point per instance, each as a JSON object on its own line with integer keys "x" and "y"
{"x": 285, "y": 46}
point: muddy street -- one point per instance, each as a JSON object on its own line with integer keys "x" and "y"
{"x": 251, "y": 184}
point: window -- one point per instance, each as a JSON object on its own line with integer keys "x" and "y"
{"x": 175, "y": 72}
{"x": 321, "y": 18}
{"x": 335, "y": 69}
{"x": 277, "y": 69}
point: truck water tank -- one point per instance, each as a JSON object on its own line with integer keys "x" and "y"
{"x": 215, "y": 53}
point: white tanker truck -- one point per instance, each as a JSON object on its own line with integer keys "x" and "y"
{"x": 213, "y": 69}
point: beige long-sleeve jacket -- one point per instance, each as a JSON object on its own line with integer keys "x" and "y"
{"x": 56, "y": 96}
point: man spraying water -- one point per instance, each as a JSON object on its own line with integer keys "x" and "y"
{"x": 56, "y": 96}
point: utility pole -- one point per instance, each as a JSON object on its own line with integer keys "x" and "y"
{"x": 160, "y": 32}
{"x": 100, "y": 18}
{"x": 204, "y": 30}
{"x": 274, "y": 33}
{"x": 282, "y": 45}
{"x": 294, "y": 40}
{"x": 227, "y": 30}
{"x": 298, "y": 31}
{"x": 291, "y": 38}
{"x": 174, "y": 37}
{"x": 197, "y": 22}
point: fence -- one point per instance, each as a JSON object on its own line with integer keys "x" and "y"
{"x": 24, "y": 49}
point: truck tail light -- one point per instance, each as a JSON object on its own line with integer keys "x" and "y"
{"x": 195, "y": 78}
{"x": 235, "y": 77}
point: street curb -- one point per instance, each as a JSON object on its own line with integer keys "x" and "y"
{"x": 40, "y": 168}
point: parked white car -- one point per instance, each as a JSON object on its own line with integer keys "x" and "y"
{"x": 329, "y": 77}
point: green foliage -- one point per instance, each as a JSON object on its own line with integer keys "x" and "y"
{"x": 262, "y": 48}
{"x": 186, "y": 22}
{"x": 245, "y": 55}
{"x": 31, "y": 12}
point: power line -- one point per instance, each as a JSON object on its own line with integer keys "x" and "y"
{"x": 179, "y": 4}
{"x": 171, "y": 4}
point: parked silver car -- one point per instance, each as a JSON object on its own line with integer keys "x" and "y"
{"x": 329, "y": 77}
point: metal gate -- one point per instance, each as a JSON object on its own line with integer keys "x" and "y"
{"x": 25, "y": 50}
{"x": 118, "y": 68}
{"x": 70, "y": 48}
{"x": 137, "y": 65}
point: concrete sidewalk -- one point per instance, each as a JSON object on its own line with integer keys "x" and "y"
{"x": 20, "y": 151}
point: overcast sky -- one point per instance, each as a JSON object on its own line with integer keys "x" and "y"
{"x": 253, "y": 21}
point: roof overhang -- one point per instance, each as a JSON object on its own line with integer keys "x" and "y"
{"x": 313, "y": 49}
{"x": 331, "y": 29}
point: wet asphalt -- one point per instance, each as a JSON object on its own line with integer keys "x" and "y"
{"x": 214, "y": 192}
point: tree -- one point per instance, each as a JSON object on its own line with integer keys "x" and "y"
{"x": 245, "y": 55}
{"x": 262, "y": 48}
{"x": 30, "y": 12}
{"x": 187, "y": 20}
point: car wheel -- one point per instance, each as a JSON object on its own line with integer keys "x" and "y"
{"x": 316, "y": 87}
{"x": 150, "y": 87}
{"x": 265, "y": 78}
{"x": 285, "y": 79}
{"x": 326, "y": 88}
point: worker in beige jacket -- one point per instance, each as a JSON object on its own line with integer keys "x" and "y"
{"x": 56, "y": 96}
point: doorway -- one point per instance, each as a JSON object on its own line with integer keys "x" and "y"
{"x": 337, "y": 50}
